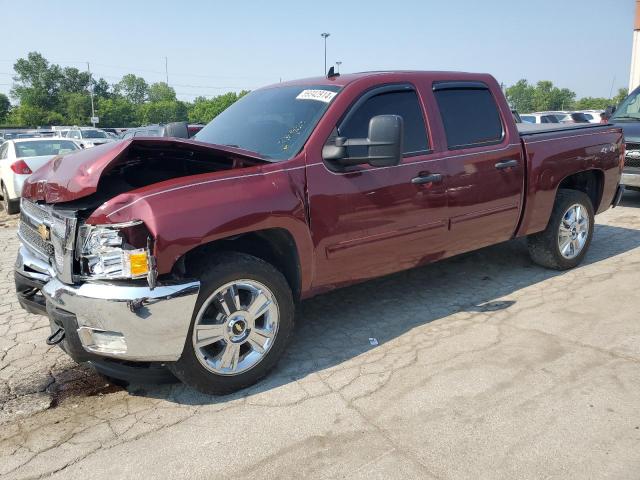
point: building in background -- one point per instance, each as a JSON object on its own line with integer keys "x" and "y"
{"x": 634, "y": 80}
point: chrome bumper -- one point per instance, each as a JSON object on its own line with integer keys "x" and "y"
{"x": 630, "y": 179}
{"x": 124, "y": 321}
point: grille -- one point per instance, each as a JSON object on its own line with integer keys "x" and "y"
{"x": 632, "y": 156}
{"x": 32, "y": 238}
{"x": 31, "y": 216}
{"x": 58, "y": 250}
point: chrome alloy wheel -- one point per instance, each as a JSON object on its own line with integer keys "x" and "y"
{"x": 236, "y": 327}
{"x": 574, "y": 231}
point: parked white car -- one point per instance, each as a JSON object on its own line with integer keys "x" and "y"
{"x": 88, "y": 137}
{"x": 20, "y": 158}
{"x": 539, "y": 117}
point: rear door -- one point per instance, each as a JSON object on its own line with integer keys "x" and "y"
{"x": 485, "y": 164}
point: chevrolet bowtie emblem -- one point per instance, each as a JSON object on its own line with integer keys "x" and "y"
{"x": 45, "y": 232}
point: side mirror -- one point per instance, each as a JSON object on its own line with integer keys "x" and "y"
{"x": 383, "y": 142}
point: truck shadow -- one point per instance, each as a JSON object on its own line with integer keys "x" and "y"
{"x": 338, "y": 326}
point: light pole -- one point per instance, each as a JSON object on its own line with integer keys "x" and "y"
{"x": 325, "y": 35}
{"x": 338, "y": 65}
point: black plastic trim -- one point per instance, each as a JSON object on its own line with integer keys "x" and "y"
{"x": 459, "y": 85}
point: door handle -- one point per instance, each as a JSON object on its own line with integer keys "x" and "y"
{"x": 427, "y": 178}
{"x": 506, "y": 164}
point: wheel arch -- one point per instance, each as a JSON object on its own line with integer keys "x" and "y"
{"x": 590, "y": 182}
{"x": 275, "y": 246}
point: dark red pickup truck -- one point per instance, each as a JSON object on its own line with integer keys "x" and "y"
{"x": 191, "y": 254}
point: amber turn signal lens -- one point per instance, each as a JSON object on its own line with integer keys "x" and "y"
{"x": 138, "y": 264}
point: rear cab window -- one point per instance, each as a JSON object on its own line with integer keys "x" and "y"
{"x": 469, "y": 113}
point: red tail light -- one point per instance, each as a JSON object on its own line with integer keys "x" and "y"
{"x": 623, "y": 154}
{"x": 21, "y": 168}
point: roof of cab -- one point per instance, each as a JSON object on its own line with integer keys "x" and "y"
{"x": 343, "y": 80}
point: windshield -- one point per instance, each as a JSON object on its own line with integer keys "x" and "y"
{"x": 36, "y": 149}
{"x": 629, "y": 108}
{"x": 93, "y": 134}
{"x": 273, "y": 122}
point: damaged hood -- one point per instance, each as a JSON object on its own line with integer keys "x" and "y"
{"x": 73, "y": 176}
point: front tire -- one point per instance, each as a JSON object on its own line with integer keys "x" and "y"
{"x": 240, "y": 326}
{"x": 565, "y": 241}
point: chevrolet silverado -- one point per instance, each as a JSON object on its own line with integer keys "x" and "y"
{"x": 190, "y": 254}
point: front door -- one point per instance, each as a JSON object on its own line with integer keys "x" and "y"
{"x": 369, "y": 221}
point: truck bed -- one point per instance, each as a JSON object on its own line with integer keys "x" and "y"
{"x": 526, "y": 129}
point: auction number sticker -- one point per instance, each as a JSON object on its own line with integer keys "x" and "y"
{"x": 320, "y": 95}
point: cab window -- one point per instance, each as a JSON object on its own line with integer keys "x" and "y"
{"x": 403, "y": 103}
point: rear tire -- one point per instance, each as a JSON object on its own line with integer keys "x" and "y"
{"x": 243, "y": 319}
{"x": 10, "y": 206}
{"x": 565, "y": 241}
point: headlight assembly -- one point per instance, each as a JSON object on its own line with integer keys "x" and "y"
{"x": 106, "y": 252}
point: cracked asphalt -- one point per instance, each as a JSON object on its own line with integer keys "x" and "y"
{"x": 486, "y": 367}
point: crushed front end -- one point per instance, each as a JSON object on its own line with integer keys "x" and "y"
{"x": 97, "y": 286}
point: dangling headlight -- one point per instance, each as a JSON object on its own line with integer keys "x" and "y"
{"x": 108, "y": 251}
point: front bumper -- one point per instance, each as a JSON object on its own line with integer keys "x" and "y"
{"x": 118, "y": 320}
{"x": 630, "y": 179}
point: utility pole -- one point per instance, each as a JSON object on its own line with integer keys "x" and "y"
{"x": 93, "y": 112}
{"x": 325, "y": 35}
{"x": 611, "y": 90}
{"x": 338, "y": 65}
{"x": 166, "y": 69}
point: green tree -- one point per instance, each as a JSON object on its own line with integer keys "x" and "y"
{"x": 620, "y": 96}
{"x": 74, "y": 81}
{"x": 161, "y": 92}
{"x": 521, "y": 96}
{"x": 37, "y": 83}
{"x": 76, "y": 107}
{"x": 102, "y": 89}
{"x": 5, "y": 106}
{"x": 116, "y": 112}
{"x": 164, "y": 111}
{"x": 32, "y": 116}
{"x": 204, "y": 109}
{"x": 591, "y": 103}
{"x": 133, "y": 88}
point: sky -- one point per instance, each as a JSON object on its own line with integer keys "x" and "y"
{"x": 217, "y": 46}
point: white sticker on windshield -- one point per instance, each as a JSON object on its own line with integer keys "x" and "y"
{"x": 320, "y": 95}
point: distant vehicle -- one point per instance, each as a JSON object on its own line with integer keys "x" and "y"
{"x": 20, "y": 158}
{"x": 627, "y": 116}
{"x": 592, "y": 115}
{"x": 89, "y": 137}
{"x": 539, "y": 117}
{"x": 573, "y": 117}
{"x": 175, "y": 129}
